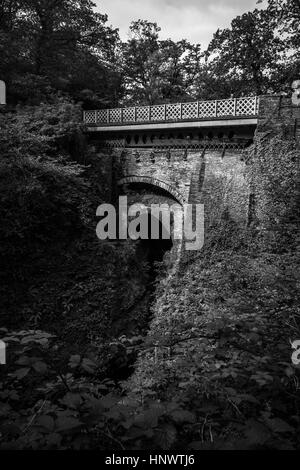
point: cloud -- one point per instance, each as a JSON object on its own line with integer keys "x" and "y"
{"x": 195, "y": 20}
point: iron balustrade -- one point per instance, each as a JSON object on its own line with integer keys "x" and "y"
{"x": 175, "y": 112}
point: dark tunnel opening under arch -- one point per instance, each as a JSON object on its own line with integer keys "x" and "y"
{"x": 151, "y": 250}
{"x": 154, "y": 250}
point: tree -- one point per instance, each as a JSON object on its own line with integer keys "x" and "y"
{"x": 287, "y": 16}
{"x": 180, "y": 67}
{"x": 156, "y": 70}
{"x": 141, "y": 62}
{"x": 212, "y": 84}
{"x": 60, "y": 44}
{"x": 248, "y": 52}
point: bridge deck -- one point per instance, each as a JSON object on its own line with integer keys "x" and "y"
{"x": 233, "y": 111}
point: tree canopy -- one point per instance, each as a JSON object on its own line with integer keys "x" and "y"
{"x": 51, "y": 45}
{"x": 68, "y": 47}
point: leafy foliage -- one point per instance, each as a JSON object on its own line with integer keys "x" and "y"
{"x": 248, "y": 52}
{"x": 47, "y": 403}
{"x": 57, "y": 45}
{"x": 39, "y": 182}
{"x": 274, "y": 173}
{"x": 155, "y": 70}
{"x": 50, "y": 257}
{"x": 220, "y": 336}
{"x": 67, "y": 46}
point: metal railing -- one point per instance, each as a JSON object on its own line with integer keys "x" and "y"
{"x": 192, "y": 111}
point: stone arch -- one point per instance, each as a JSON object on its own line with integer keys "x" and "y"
{"x": 175, "y": 253}
{"x": 154, "y": 182}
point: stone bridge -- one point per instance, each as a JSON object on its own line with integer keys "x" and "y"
{"x": 187, "y": 152}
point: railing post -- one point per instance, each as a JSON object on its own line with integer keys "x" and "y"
{"x": 165, "y": 112}
{"x": 108, "y": 117}
{"x": 135, "y": 114}
{"x": 255, "y": 105}
{"x": 234, "y": 106}
{"x": 181, "y": 111}
{"x": 2, "y": 93}
{"x": 216, "y": 108}
{"x": 122, "y": 115}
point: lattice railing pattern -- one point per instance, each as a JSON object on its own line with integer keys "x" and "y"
{"x": 143, "y": 113}
{"x": 129, "y": 115}
{"x": 103, "y": 115}
{"x": 115, "y": 115}
{"x": 207, "y": 109}
{"x": 120, "y": 143}
{"x": 226, "y": 108}
{"x": 114, "y": 143}
{"x": 195, "y": 110}
{"x": 90, "y": 117}
{"x": 158, "y": 113}
{"x": 190, "y": 110}
{"x": 246, "y": 106}
{"x": 173, "y": 112}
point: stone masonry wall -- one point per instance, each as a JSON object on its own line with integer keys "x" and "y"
{"x": 174, "y": 169}
{"x": 278, "y": 115}
{"x": 208, "y": 178}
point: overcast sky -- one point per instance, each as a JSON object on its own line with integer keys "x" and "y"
{"x": 195, "y": 20}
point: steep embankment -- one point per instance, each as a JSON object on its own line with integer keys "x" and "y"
{"x": 220, "y": 343}
{"x": 220, "y": 338}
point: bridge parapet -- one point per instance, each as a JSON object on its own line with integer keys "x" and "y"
{"x": 233, "y": 108}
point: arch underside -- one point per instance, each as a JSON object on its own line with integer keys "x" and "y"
{"x": 155, "y": 183}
